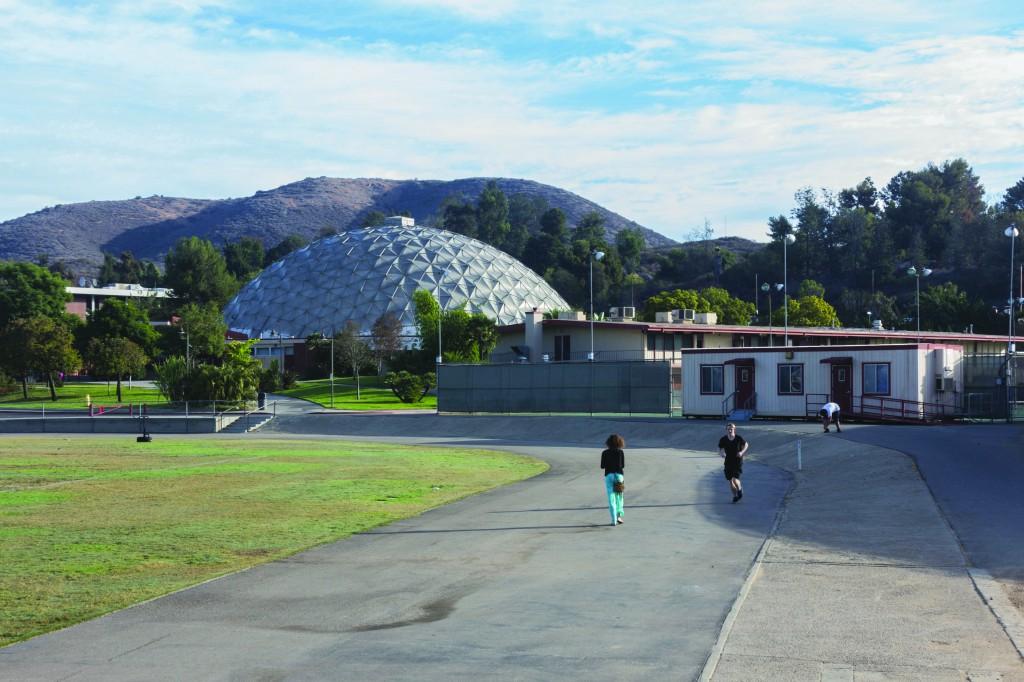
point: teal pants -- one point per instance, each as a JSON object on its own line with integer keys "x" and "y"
{"x": 614, "y": 498}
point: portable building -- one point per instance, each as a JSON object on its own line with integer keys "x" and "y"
{"x": 914, "y": 381}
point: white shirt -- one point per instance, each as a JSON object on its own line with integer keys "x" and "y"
{"x": 831, "y": 408}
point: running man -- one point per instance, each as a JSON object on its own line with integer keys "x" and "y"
{"x": 732, "y": 447}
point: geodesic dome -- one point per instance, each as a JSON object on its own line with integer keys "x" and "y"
{"x": 361, "y": 274}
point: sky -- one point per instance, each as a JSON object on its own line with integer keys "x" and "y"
{"x": 668, "y": 113}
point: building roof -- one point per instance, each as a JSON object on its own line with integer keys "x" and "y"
{"x": 359, "y": 275}
{"x": 900, "y": 335}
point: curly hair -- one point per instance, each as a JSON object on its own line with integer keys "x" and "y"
{"x": 615, "y": 441}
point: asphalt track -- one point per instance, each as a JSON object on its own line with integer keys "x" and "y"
{"x": 844, "y": 567}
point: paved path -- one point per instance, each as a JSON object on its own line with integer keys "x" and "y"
{"x": 862, "y": 578}
{"x": 976, "y": 473}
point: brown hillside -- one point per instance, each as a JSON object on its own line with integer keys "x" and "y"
{"x": 79, "y": 234}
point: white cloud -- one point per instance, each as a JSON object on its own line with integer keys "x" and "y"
{"x": 114, "y": 105}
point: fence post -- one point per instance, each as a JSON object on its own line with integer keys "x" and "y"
{"x": 799, "y": 455}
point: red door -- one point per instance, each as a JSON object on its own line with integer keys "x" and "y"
{"x": 842, "y": 387}
{"x": 745, "y": 386}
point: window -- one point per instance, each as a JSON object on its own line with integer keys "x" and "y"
{"x": 651, "y": 340}
{"x": 876, "y": 378}
{"x": 562, "y": 348}
{"x": 712, "y": 379}
{"x": 791, "y": 379}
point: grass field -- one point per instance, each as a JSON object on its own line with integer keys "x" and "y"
{"x": 91, "y": 525}
{"x": 72, "y": 395}
{"x": 374, "y": 395}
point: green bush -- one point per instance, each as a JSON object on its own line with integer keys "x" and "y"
{"x": 410, "y": 388}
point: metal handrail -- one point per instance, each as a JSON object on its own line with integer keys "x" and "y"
{"x": 247, "y": 414}
{"x": 725, "y": 404}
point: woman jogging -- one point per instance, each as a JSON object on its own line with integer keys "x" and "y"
{"x": 613, "y": 461}
{"x": 732, "y": 447}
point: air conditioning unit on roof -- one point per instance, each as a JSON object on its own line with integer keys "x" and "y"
{"x": 684, "y": 315}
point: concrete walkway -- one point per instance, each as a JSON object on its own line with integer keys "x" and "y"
{"x": 842, "y": 570}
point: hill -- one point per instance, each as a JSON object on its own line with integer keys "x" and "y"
{"x": 79, "y": 234}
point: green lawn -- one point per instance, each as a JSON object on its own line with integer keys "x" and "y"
{"x": 90, "y": 525}
{"x": 374, "y": 395}
{"x": 72, "y": 395}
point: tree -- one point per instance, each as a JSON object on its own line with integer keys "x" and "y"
{"x": 633, "y": 280}
{"x": 350, "y": 350}
{"x": 630, "y": 244}
{"x": 115, "y": 357}
{"x": 119, "y": 319}
{"x": 467, "y": 337}
{"x": 244, "y": 258}
{"x": 125, "y": 269}
{"x": 492, "y": 214}
{"x": 197, "y": 273}
{"x": 373, "y": 218}
{"x": 730, "y": 310}
{"x": 387, "y": 338}
{"x": 809, "y": 287}
{"x": 292, "y": 242}
{"x": 811, "y": 311}
{"x": 235, "y": 379}
{"x": 460, "y": 218}
{"x": 41, "y": 345}
{"x": 28, "y": 290}
{"x": 673, "y": 300}
{"x": 203, "y": 328}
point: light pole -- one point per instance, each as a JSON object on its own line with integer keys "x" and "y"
{"x": 767, "y": 288}
{"x": 1012, "y": 233}
{"x": 918, "y": 274}
{"x": 332, "y": 368}
{"x": 188, "y": 351}
{"x": 594, "y": 255}
{"x": 786, "y": 240}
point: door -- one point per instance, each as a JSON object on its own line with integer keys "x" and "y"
{"x": 842, "y": 387}
{"x": 745, "y": 386}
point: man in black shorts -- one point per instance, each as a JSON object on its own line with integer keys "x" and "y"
{"x": 732, "y": 447}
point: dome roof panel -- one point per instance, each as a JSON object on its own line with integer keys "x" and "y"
{"x": 361, "y": 274}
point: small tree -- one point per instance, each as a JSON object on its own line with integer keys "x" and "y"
{"x": 387, "y": 338}
{"x": 38, "y": 345}
{"x": 116, "y": 357}
{"x": 351, "y": 351}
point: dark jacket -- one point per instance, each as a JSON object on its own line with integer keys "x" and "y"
{"x": 613, "y": 461}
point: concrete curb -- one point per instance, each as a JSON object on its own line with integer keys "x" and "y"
{"x": 711, "y": 664}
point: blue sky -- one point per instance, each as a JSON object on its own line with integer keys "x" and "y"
{"x": 667, "y": 113}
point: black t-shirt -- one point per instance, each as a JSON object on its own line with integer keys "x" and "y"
{"x": 613, "y": 460}
{"x": 732, "y": 450}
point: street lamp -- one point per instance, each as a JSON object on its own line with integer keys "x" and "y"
{"x": 869, "y": 319}
{"x": 767, "y": 288}
{"x": 918, "y": 274}
{"x": 332, "y": 368}
{"x": 1012, "y": 233}
{"x": 188, "y": 350}
{"x": 594, "y": 255}
{"x": 787, "y": 239}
